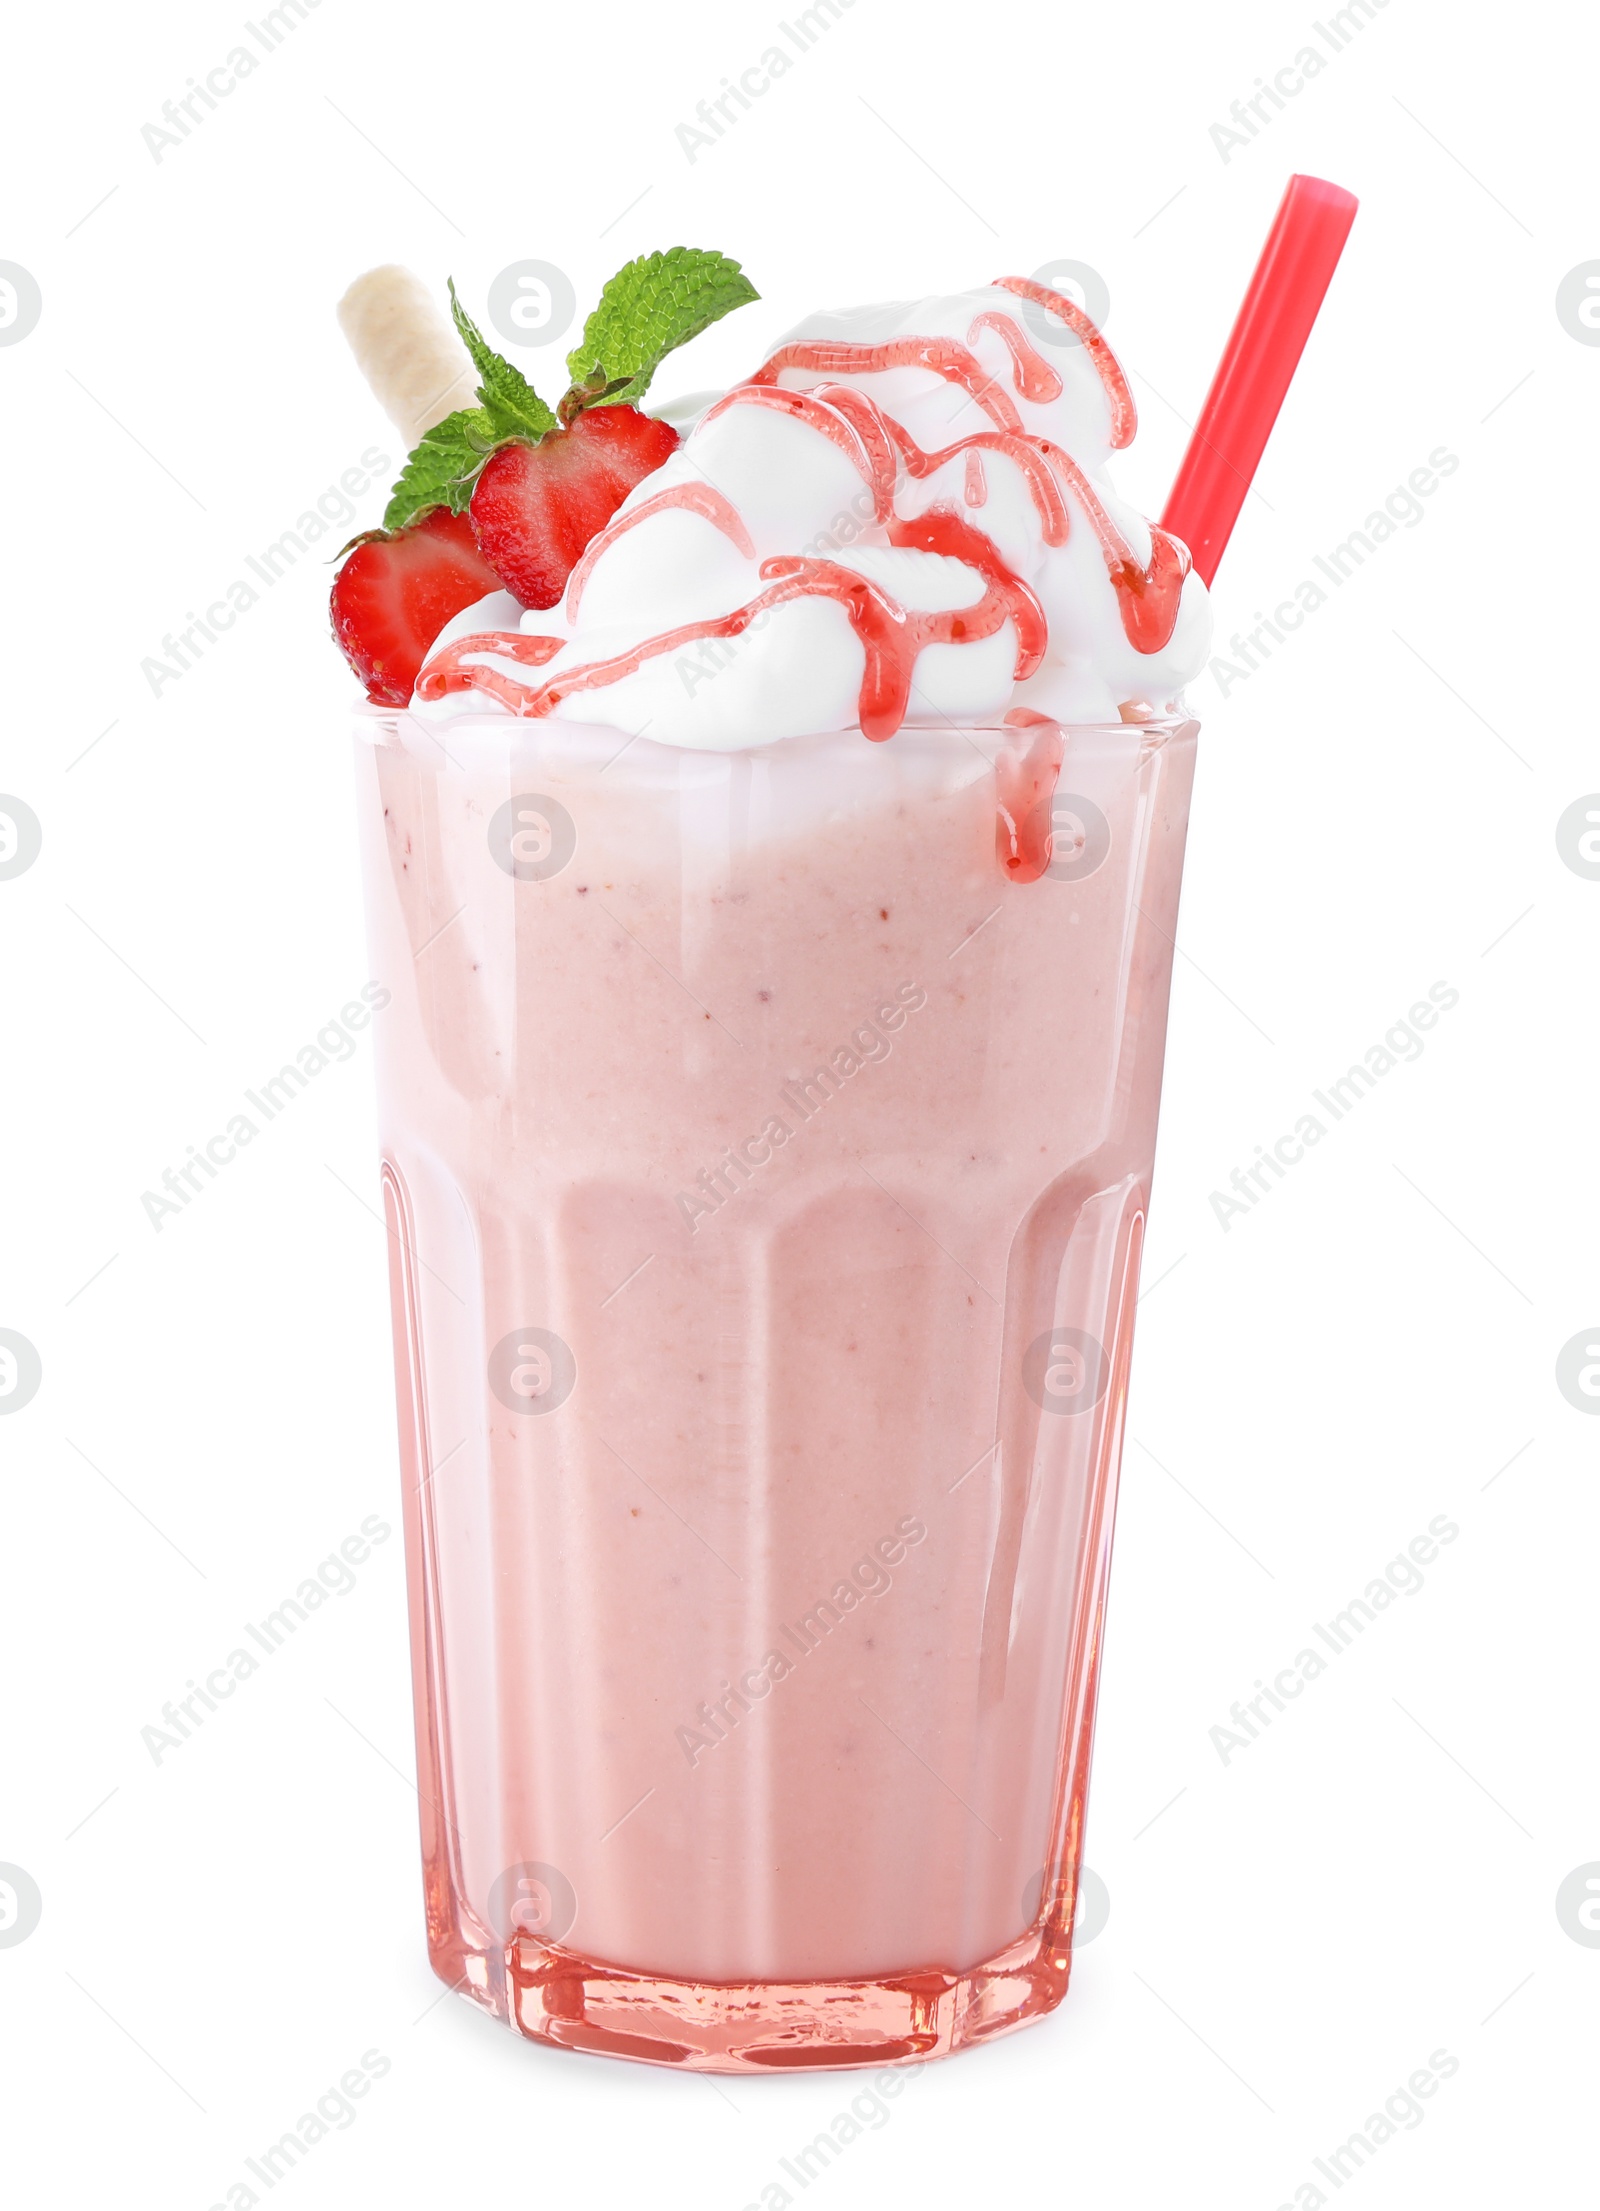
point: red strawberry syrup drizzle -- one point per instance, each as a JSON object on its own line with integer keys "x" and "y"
{"x": 1026, "y": 783}
{"x": 1030, "y": 371}
{"x": 892, "y": 635}
{"x": 520, "y": 645}
{"x": 828, "y": 410}
{"x": 702, "y": 499}
{"x": 1148, "y": 596}
{"x": 946, "y": 357}
{"x": 1124, "y": 415}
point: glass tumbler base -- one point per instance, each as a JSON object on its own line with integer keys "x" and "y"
{"x": 552, "y": 1996}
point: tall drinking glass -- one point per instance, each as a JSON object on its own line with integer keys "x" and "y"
{"x": 766, "y": 1160}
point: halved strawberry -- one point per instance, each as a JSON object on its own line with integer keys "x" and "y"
{"x": 536, "y": 507}
{"x": 396, "y": 592}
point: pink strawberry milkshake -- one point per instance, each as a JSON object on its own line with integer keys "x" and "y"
{"x": 779, "y": 933}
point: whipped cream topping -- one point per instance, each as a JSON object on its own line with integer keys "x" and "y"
{"x": 902, "y": 517}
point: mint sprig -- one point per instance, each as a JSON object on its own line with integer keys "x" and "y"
{"x": 442, "y": 468}
{"x": 655, "y": 304}
{"x": 513, "y": 407}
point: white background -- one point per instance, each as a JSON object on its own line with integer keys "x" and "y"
{"x": 1293, "y": 1933}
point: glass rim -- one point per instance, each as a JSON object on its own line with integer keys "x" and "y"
{"x": 371, "y": 719}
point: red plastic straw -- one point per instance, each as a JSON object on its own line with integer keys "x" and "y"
{"x": 1262, "y": 354}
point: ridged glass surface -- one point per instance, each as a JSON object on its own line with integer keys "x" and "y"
{"x": 766, "y": 1174}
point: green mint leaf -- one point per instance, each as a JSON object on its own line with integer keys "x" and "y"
{"x": 441, "y": 469}
{"x": 660, "y": 301}
{"x": 513, "y": 407}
